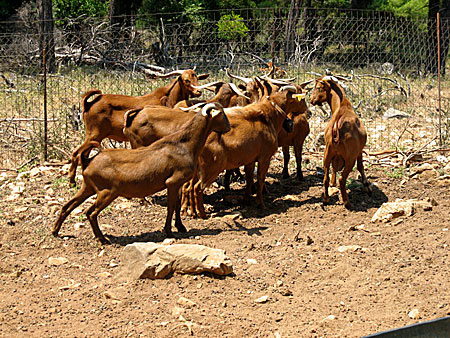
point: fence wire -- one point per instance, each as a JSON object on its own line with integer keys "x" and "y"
{"x": 392, "y": 62}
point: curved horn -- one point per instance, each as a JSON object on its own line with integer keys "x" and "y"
{"x": 238, "y": 91}
{"x": 280, "y": 81}
{"x": 342, "y": 78}
{"x": 215, "y": 83}
{"x": 195, "y": 106}
{"x": 245, "y": 79}
{"x": 172, "y": 73}
{"x": 289, "y": 88}
{"x": 216, "y": 109}
{"x": 330, "y": 77}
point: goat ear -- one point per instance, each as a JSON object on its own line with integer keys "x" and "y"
{"x": 202, "y": 76}
{"x": 163, "y": 100}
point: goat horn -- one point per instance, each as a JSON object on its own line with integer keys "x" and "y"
{"x": 238, "y": 91}
{"x": 245, "y": 79}
{"x": 342, "y": 78}
{"x": 216, "y": 109}
{"x": 215, "y": 83}
{"x": 330, "y": 77}
{"x": 280, "y": 81}
{"x": 288, "y": 88}
{"x": 172, "y": 73}
{"x": 195, "y": 106}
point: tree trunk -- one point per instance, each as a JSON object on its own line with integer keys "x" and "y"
{"x": 445, "y": 34}
{"x": 46, "y": 39}
{"x": 291, "y": 24}
{"x": 121, "y": 12}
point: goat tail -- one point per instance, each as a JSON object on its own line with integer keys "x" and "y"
{"x": 337, "y": 125}
{"x": 129, "y": 117}
{"x": 86, "y": 96}
{"x": 84, "y": 153}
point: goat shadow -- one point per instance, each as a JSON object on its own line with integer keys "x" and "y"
{"x": 279, "y": 188}
{"x": 225, "y": 202}
{"x": 160, "y": 236}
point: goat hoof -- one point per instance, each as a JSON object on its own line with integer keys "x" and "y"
{"x": 104, "y": 241}
{"x": 300, "y": 178}
{"x": 285, "y": 175}
{"x": 181, "y": 228}
{"x": 347, "y": 205}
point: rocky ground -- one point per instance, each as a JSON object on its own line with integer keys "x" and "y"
{"x": 300, "y": 269}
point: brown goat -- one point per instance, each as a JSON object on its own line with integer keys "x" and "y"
{"x": 142, "y": 127}
{"x": 253, "y": 138}
{"x": 167, "y": 163}
{"x": 103, "y": 115}
{"x": 345, "y": 136}
{"x": 226, "y": 94}
{"x": 296, "y": 110}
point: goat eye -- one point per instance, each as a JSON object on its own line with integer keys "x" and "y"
{"x": 187, "y": 81}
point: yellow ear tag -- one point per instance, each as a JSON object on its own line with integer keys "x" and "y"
{"x": 214, "y": 112}
{"x": 299, "y": 96}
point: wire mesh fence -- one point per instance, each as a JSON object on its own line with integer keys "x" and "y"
{"x": 392, "y": 63}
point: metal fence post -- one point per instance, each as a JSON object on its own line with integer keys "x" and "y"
{"x": 439, "y": 79}
{"x": 45, "y": 104}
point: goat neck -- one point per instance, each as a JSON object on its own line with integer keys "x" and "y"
{"x": 198, "y": 129}
{"x": 176, "y": 93}
{"x": 336, "y": 97}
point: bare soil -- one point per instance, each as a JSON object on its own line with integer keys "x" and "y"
{"x": 313, "y": 289}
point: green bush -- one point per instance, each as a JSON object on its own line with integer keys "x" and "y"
{"x": 231, "y": 27}
{"x": 63, "y": 9}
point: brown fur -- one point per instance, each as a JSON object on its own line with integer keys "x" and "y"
{"x": 345, "y": 137}
{"x": 253, "y": 138}
{"x": 166, "y": 164}
{"x": 103, "y": 115}
{"x": 224, "y": 95}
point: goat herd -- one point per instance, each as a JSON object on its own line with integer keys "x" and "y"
{"x": 182, "y": 145}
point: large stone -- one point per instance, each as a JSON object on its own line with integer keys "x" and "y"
{"x": 390, "y": 210}
{"x": 394, "y": 113}
{"x": 155, "y": 261}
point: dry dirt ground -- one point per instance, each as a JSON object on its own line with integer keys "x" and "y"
{"x": 313, "y": 289}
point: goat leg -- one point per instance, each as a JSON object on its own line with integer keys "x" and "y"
{"x": 326, "y": 175}
{"x": 172, "y": 200}
{"x": 263, "y": 167}
{"x": 199, "y": 206}
{"x": 286, "y": 157}
{"x": 104, "y": 198}
{"x": 248, "y": 169}
{"x": 83, "y": 194}
{"x": 298, "y": 148}
{"x": 185, "y": 197}
{"x": 178, "y": 223}
{"x": 343, "y": 180}
{"x": 364, "y": 180}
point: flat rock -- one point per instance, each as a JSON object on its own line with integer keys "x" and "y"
{"x": 395, "y": 113}
{"x": 391, "y": 210}
{"x": 56, "y": 261}
{"x": 155, "y": 261}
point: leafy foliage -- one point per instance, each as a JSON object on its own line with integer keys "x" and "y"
{"x": 63, "y": 9}
{"x": 231, "y": 26}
